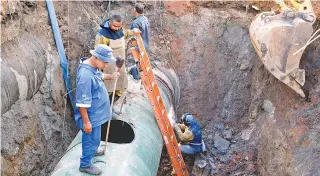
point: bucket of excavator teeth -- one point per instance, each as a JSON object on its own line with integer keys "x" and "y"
{"x": 276, "y": 37}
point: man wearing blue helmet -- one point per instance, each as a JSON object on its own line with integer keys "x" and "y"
{"x": 190, "y": 135}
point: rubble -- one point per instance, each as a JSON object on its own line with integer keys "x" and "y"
{"x": 221, "y": 144}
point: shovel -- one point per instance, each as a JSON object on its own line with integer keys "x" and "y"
{"x": 119, "y": 64}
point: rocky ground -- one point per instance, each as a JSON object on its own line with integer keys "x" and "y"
{"x": 226, "y": 87}
{"x": 252, "y": 123}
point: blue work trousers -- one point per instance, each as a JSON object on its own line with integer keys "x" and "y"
{"x": 90, "y": 144}
{"x": 190, "y": 149}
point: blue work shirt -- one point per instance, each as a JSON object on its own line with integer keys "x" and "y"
{"x": 142, "y": 23}
{"x": 92, "y": 95}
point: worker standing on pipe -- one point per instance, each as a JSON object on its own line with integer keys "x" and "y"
{"x": 189, "y": 133}
{"x": 92, "y": 104}
{"x": 141, "y": 22}
{"x": 112, "y": 34}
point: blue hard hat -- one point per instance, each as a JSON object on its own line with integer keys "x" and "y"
{"x": 187, "y": 118}
{"x": 104, "y": 53}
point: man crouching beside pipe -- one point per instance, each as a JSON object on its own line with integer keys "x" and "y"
{"x": 190, "y": 135}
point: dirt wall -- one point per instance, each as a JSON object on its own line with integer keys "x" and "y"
{"x": 36, "y": 124}
{"x": 225, "y": 85}
{"x": 287, "y": 143}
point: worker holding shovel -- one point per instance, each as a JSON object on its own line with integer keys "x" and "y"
{"x": 92, "y": 104}
{"x": 119, "y": 64}
{"x": 112, "y": 34}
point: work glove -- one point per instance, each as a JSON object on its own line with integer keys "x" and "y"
{"x": 177, "y": 128}
{"x": 183, "y": 127}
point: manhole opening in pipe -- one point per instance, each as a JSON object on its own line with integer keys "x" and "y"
{"x": 120, "y": 132}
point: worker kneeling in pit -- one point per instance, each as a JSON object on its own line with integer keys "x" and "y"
{"x": 190, "y": 135}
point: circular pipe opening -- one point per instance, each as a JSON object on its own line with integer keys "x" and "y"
{"x": 120, "y": 132}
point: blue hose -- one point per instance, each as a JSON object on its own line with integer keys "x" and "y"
{"x": 62, "y": 55}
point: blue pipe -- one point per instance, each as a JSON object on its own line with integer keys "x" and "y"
{"x": 59, "y": 44}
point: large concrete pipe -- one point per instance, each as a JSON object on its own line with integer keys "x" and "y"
{"x": 23, "y": 65}
{"x": 135, "y": 142}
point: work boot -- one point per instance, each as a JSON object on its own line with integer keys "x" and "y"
{"x": 93, "y": 170}
{"x": 100, "y": 151}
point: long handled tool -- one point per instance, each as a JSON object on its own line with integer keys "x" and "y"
{"x": 119, "y": 64}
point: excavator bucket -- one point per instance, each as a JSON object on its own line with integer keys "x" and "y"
{"x": 276, "y": 37}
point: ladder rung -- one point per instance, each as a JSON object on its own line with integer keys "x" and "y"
{"x": 165, "y": 139}
{"x": 180, "y": 169}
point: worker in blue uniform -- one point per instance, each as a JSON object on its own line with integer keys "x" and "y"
{"x": 92, "y": 104}
{"x": 190, "y": 135}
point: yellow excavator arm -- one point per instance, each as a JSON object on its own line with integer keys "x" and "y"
{"x": 298, "y": 5}
{"x": 276, "y": 37}
{"x": 303, "y": 6}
